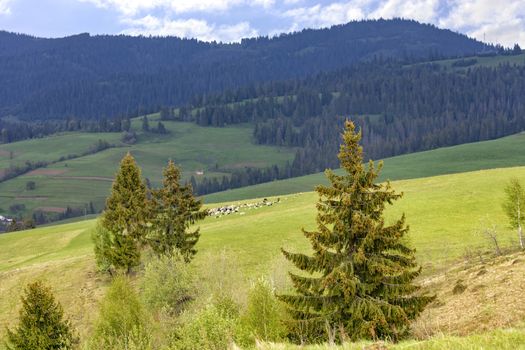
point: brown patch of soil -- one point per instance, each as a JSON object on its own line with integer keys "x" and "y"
{"x": 52, "y": 209}
{"x": 46, "y": 171}
{"x": 488, "y": 300}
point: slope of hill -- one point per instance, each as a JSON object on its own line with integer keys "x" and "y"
{"x": 443, "y": 212}
{"x": 94, "y": 76}
{"x": 75, "y": 182}
{"x": 497, "y": 153}
{"x": 215, "y": 151}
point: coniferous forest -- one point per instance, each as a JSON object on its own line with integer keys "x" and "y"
{"x": 92, "y": 77}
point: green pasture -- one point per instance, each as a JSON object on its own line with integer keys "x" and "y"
{"x": 500, "y": 153}
{"x": 51, "y": 148}
{"x": 75, "y": 182}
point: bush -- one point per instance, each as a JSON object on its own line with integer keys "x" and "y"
{"x": 122, "y": 322}
{"x": 42, "y": 324}
{"x": 213, "y": 328}
{"x": 30, "y": 185}
{"x": 264, "y": 313}
{"x": 220, "y": 276}
{"x": 102, "y": 241}
{"x": 168, "y": 284}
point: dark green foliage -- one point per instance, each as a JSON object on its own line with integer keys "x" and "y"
{"x": 141, "y": 73}
{"x": 174, "y": 209}
{"x": 41, "y": 323}
{"x": 125, "y": 217}
{"x": 360, "y": 282}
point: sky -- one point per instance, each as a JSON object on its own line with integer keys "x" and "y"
{"x": 500, "y": 22}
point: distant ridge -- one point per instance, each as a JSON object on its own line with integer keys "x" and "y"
{"x": 106, "y": 75}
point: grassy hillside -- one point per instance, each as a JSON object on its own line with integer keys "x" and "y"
{"x": 444, "y": 214}
{"x": 482, "y": 61}
{"x": 75, "y": 182}
{"x": 216, "y": 151}
{"x": 448, "y": 160}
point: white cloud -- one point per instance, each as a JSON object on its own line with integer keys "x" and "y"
{"x": 323, "y": 16}
{"x": 134, "y": 7}
{"x": 4, "y": 7}
{"x": 189, "y": 28}
{"x": 480, "y": 18}
{"x": 503, "y": 23}
{"x": 422, "y": 10}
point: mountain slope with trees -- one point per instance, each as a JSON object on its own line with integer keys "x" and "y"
{"x": 108, "y": 76}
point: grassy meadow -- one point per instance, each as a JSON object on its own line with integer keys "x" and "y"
{"x": 445, "y": 214}
{"x": 76, "y": 182}
{"x": 499, "y": 153}
{"x": 216, "y": 151}
{"x": 482, "y": 61}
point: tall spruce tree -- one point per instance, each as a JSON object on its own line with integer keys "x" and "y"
{"x": 42, "y": 324}
{"x": 360, "y": 282}
{"x": 125, "y": 217}
{"x": 174, "y": 209}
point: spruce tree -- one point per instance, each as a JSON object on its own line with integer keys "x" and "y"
{"x": 359, "y": 281}
{"x": 42, "y": 325}
{"x": 174, "y": 209}
{"x": 125, "y": 216}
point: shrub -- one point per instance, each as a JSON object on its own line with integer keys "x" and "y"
{"x": 168, "y": 284}
{"x": 41, "y": 324}
{"x": 211, "y": 329}
{"x": 264, "y": 313}
{"x": 102, "y": 241}
{"x": 220, "y": 276}
{"x": 122, "y": 322}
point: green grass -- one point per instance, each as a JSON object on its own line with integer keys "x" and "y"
{"x": 508, "y": 339}
{"x": 492, "y": 154}
{"x": 51, "y": 148}
{"x": 443, "y": 212}
{"x": 76, "y": 182}
{"x": 482, "y": 61}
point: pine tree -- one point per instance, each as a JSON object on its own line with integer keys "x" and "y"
{"x": 42, "y": 324}
{"x": 174, "y": 209}
{"x": 360, "y": 282}
{"x": 125, "y": 216}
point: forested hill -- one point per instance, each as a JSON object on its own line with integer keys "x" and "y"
{"x": 106, "y": 76}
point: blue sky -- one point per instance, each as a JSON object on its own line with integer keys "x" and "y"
{"x": 231, "y": 20}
